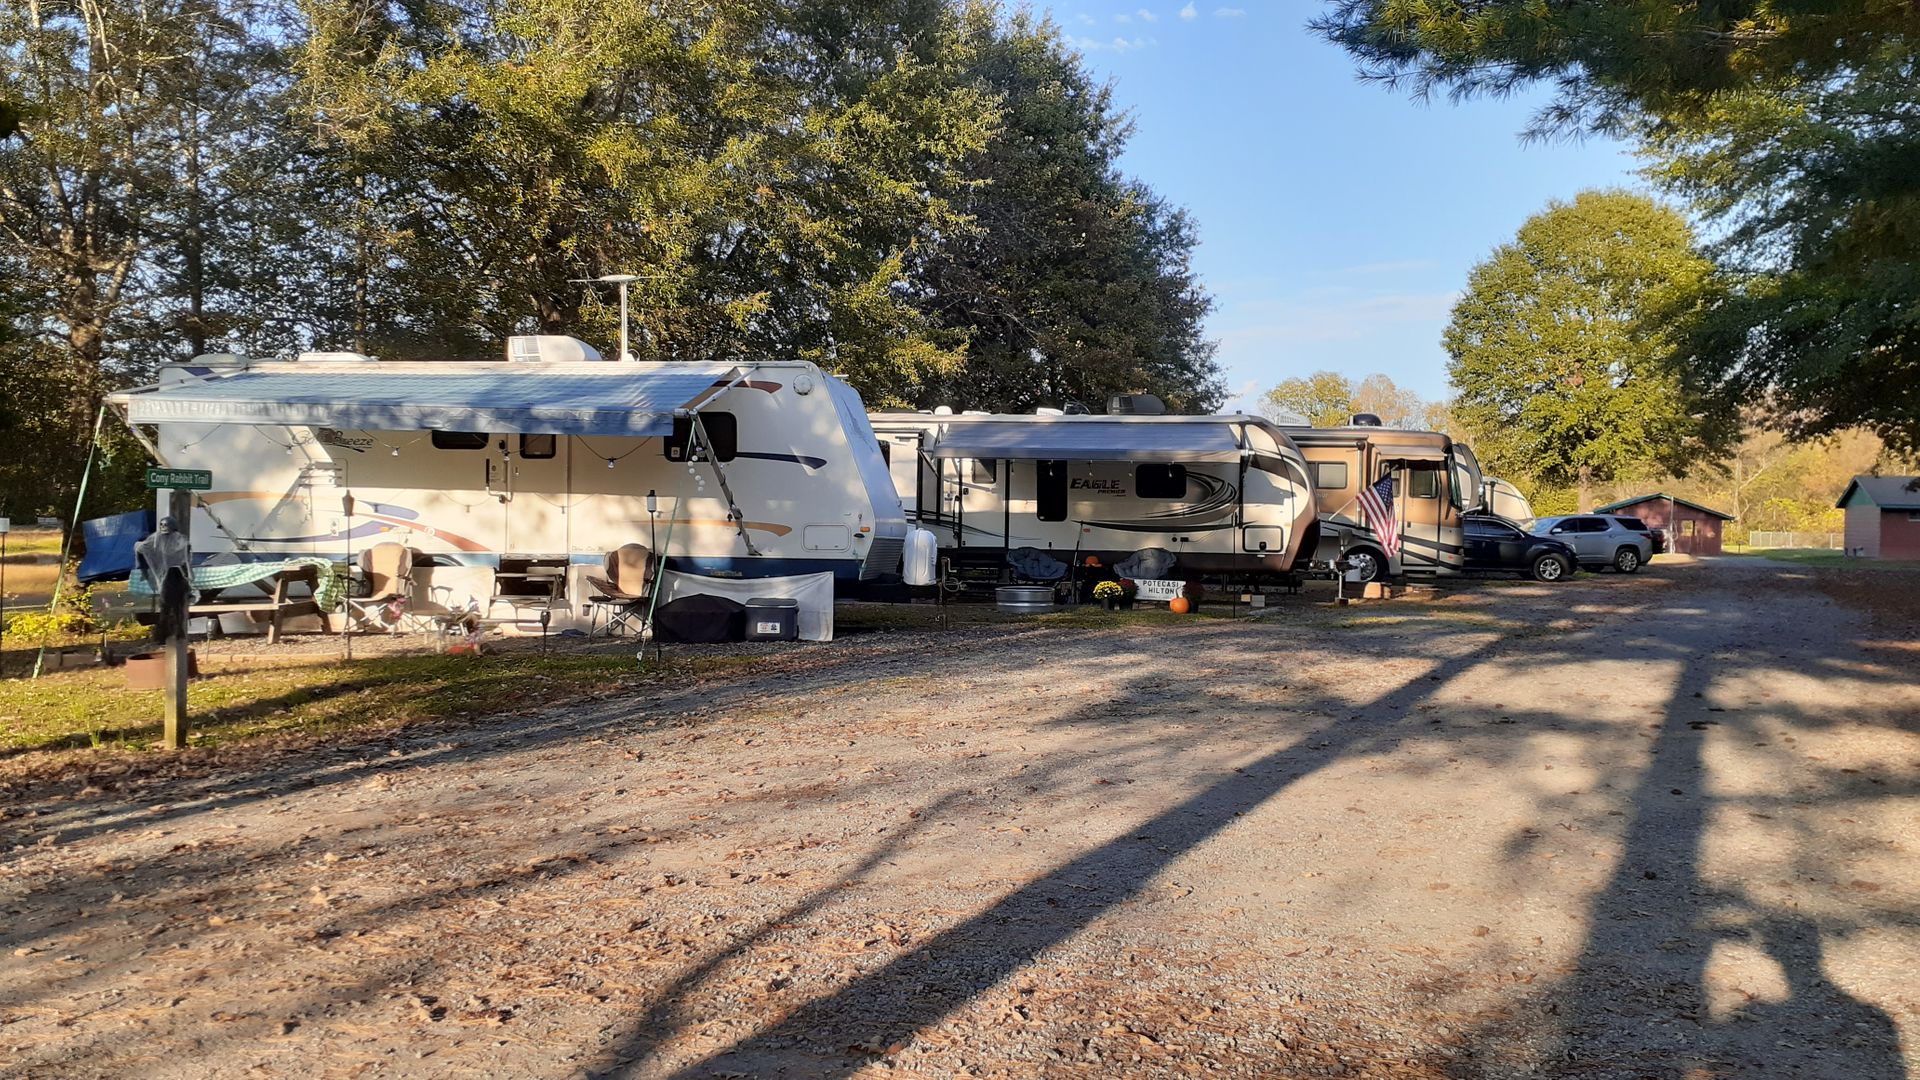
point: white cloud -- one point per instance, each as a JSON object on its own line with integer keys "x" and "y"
{"x": 1147, "y": 16}
{"x": 1227, "y": 12}
{"x": 1189, "y": 13}
{"x": 1086, "y": 20}
{"x": 1123, "y": 17}
{"x": 1117, "y": 44}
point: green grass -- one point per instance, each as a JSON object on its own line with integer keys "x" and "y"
{"x": 92, "y": 707}
{"x": 1826, "y": 557}
{"x": 25, "y": 545}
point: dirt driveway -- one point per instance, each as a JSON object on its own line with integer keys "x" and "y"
{"x": 1661, "y": 826}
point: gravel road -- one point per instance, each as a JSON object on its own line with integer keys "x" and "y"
{"x": 1658, "y": 826}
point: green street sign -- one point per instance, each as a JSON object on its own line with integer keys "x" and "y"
{"x": 179, "y": 479}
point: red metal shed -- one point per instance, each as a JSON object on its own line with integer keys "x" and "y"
{"x": 1883, "y": 517}
{"x": 1692, "y": 529}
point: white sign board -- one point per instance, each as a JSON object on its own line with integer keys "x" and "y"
{"x": 1161, "y": 590}
{"x": 6, "y": 526}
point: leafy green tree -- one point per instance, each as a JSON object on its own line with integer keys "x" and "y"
{"x": 770, "y": 170}
{"x": 1792, "y": 127}
{"x": 1070, "y": 281}
{"x": 87, "y": 185}
{"x": 1562, "y": 348}
{"x": 1322, "y": 399}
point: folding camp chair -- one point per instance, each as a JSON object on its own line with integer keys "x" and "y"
{"x": 387, "y": 570}
{"x": 625, "y": 591}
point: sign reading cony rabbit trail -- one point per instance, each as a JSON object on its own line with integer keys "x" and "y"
{"x": 179, "y": 479}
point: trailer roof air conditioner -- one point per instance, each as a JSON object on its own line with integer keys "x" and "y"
{"x": 549, "y": 349}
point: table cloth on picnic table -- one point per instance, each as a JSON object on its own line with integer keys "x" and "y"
{"x": 326, "y": 594}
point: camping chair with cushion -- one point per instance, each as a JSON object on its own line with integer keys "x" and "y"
{"x": 1033, "y": 565}
{"x": 385, "y": 571}
{"x": 1147, "y": 564}
{"x": 623, "y": 593}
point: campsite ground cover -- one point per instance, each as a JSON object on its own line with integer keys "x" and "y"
{"x": 1650, "y": 826}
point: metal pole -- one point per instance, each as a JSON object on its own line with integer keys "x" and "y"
{"x": 624, "y": 354}
{"x": 3, "y": 592}
{"x": 180, "y": 505}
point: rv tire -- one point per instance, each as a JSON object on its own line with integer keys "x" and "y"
{"x": 1368, "y": 561}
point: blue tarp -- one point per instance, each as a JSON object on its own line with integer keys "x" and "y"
{"x": 109, "y": 542}
{"x": 612, "y": 399}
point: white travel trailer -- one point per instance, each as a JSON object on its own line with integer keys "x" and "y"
{"x": 1227, "y": 495}
{"x": 753, "y": 469}
{"x": 1436, "y": 482}
{"x": 1501, "y": 498}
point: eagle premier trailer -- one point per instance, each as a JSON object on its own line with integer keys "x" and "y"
{"x": 1227, "y": 495}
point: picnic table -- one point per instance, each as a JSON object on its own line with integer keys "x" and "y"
{"x": 271, "y": 581}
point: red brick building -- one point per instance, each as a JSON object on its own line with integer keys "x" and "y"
{"x": 1692, "y": 529}
{"x": 1883, "y": 517}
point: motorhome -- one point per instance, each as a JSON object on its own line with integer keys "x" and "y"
{"x": 542, "y": 462}
{"x": 1226, "y": 495}
{"x": 1502, "y": 499}
{"x": 1435, "y": 482}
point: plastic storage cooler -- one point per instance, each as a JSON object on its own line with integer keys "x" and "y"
{"x": 773, "y": 618}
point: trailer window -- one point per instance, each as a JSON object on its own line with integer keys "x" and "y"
{"x": 1424, "y": 483}
{"x": 723, "y": 435}
{"x": 1051, "y": 494}
{"x": 1330, "y": 475}
{"x": 539, "y": 446}
{"x": 984, "y": 471}
{"x": 459, "y": 440}
{"x": 886, "y": 451}
{"x": 1160, "y": 481}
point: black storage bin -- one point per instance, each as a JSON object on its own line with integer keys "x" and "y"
{"x": 773, "y": 618}
{"x": 699, "y": 620}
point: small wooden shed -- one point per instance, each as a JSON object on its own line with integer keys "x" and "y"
{"x": 1692, "y": 529}
{"x": 1883, "y": 517}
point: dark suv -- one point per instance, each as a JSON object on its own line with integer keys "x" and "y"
{"x": 1496, "y": 544}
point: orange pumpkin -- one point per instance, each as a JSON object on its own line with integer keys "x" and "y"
{"x": 1179, "y": 605}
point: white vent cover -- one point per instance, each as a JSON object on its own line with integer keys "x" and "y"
{"x": 549, "y": 349}
{"x": 334, "y": 358}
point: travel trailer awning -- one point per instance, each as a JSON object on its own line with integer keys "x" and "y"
{"x": 1089, "y": 440}
{"x": 614, "y": 401}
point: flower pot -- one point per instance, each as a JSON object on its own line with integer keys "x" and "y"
{"x": 1110, "y": 603}
{"x": 148, "y": 671}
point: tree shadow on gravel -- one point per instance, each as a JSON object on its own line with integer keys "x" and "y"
{"x": 942, "y": 974}
{"x": 1640, "y": 1000}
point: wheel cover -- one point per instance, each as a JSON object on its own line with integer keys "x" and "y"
{"x": 1628, "y": 560}
{"x": 1550, "y": 569}
{"x": 1364, "y": 562}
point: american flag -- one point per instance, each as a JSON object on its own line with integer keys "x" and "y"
{"x": 1376, "y": 503}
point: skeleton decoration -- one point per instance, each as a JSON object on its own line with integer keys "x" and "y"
{"x": 165, "y": 558}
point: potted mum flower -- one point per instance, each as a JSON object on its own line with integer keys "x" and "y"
{"x": 1129, "y": 589}
{"x": 1109, "y": 594}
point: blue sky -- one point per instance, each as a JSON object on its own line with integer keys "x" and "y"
{"x": 1338, "y": 219}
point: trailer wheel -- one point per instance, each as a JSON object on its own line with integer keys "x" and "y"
{"x": 1550, "y": 568}
{"x": 1626, "y": 560}
{"x": 1367, "y": 561}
